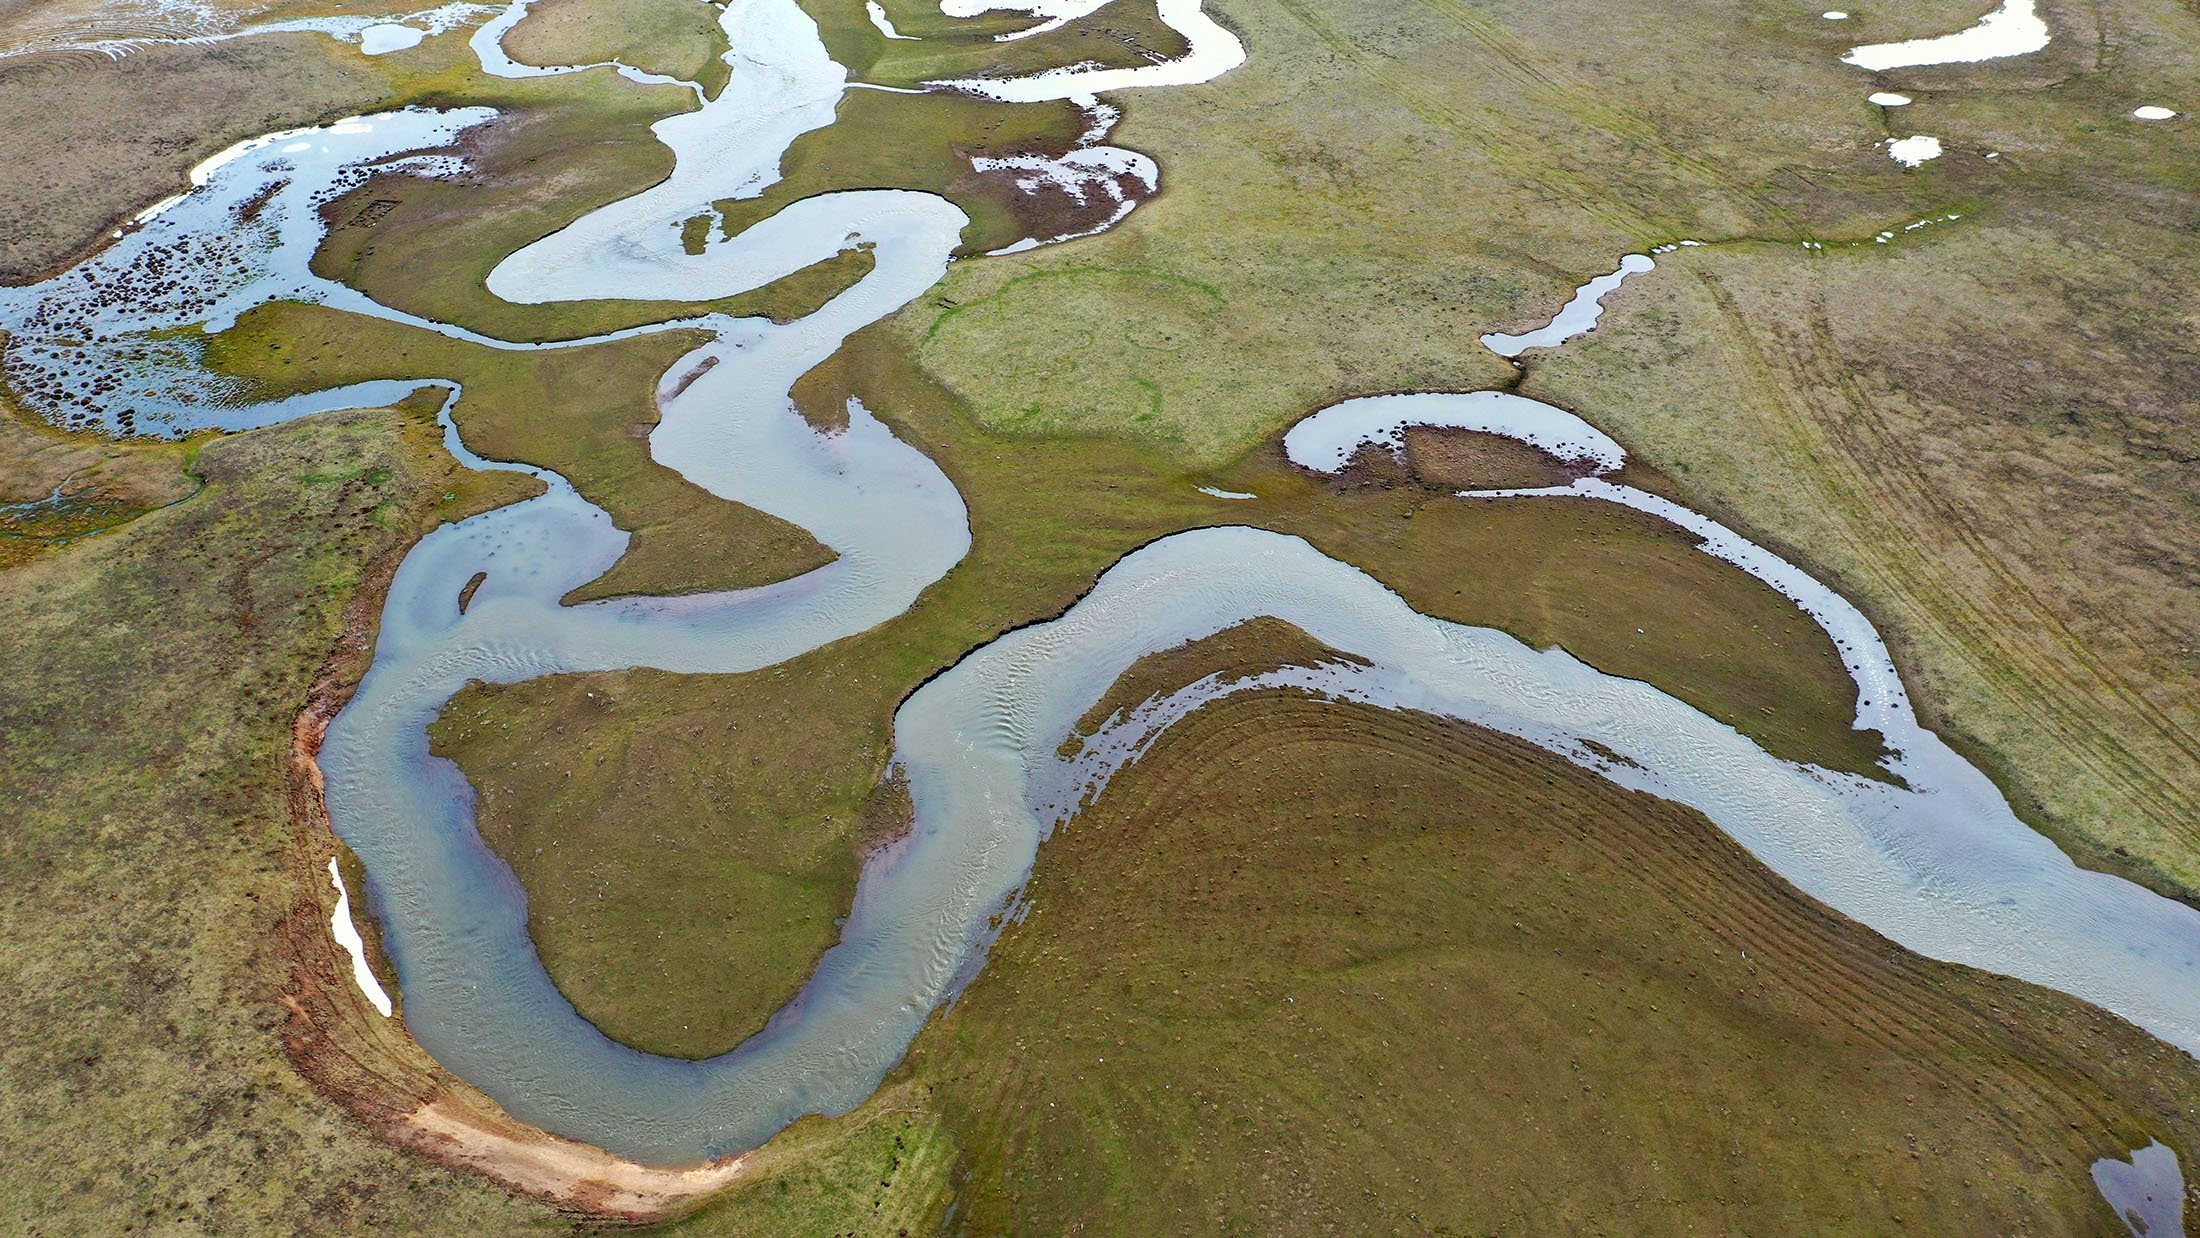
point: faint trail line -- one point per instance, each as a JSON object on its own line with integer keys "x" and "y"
{"x": 1958, "y": 620}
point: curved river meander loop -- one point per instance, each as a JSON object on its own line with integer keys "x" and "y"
{"x": 1939, "y": 864}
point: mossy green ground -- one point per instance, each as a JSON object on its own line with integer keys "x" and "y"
{"x": 1127, "y": 33}
{"x": 559, "y": 148}
{"x": 114, "y": 136}
{"x": 1955, "y": 437}
{"x": 1292, "y": 262}
{"x": 151, "y": 675}
{"x": 57, "y": 487}
{"x": 675, "y": 40}
{"x": 1342, "y": 215}
{"x": 935, "y": 136}
{"x": 1380, "y": 183}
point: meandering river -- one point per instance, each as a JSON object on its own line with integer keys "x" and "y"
{"x": 1939, "y": 864}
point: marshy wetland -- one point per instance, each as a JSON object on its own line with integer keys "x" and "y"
{"x": 922, "y": 665}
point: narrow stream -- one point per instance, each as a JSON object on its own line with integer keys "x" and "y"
{"x": 1939, "y": 864}
{"x": 1578, "y": 316}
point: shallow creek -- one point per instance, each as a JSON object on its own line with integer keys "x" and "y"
{"x": 1939, "y": 864}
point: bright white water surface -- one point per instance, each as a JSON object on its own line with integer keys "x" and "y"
{"x": 1939, "y": 863}
{"x": 178, "y": 21}
{"x": 1214, "y": 51}
{"x": 1054, "y": 14}
{"x": 346, "y": 932}
{"x": 2014, "y": 29}
{"x": 115, "y": 341}
{"x": 383, "y": 39}
{"x": 1913, "y": 151}
{"x": 877, "y": 13}
{"x": 1327, "y": 441}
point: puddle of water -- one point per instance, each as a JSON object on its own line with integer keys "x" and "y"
{"x": 2147, "y": 1191}
{"x": 885, "y": 24}
{"x": 384, "y": 39}
{"x": 2014, "y": 29}
{"x": 1913, "y": 151}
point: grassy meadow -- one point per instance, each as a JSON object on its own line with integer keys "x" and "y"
{"x": 1305, "y": 967}
{"x": 584, "y": 412}
{"x": 152, "y": 674}
{"x": 1959, "y": 441}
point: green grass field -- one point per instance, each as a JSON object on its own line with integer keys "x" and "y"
{"x": 1305, "y": 967}
{"x": 152, "y": 673}
{"x": 584, "y": 412}
{"x": 677, "y": 40}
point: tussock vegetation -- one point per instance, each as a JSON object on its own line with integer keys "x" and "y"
{"x": 151, "y": 677}
{"x": 1123, "y": 34}
{"x": 1307, "y": 965}
{"x": 56, "y": 487}
{"x": 935, "y": 136}
{"x": 1983, "y": 431}
{"x": 116, "y": 136}
{"x": 1468, "y": 461}
{"x": 1379, "y": 183}
{"x": 547, "y": 159}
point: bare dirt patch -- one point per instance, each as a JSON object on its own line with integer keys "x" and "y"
{"x": 1465, "y": 460}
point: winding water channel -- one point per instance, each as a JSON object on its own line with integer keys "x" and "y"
{"x": 1939, "y": 864}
